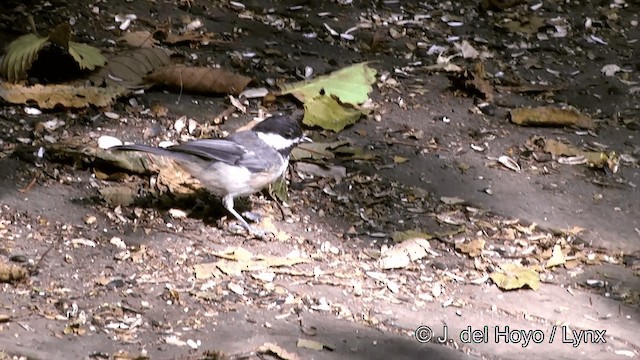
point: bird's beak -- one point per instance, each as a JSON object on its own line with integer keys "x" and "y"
{"x": 305, "y": 139}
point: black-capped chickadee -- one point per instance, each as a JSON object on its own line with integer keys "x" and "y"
{"x": 239, "y": 165}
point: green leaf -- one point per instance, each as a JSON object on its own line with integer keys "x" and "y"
{"x": 86, "y": 56}
{"x": 278, "y": 189}
{"x": 316, "y": 150}
{"x": 324, "y": 111}
{"x": 20, "y": 55}
{"x": 350, "y": 85}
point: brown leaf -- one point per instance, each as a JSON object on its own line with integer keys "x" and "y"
{"x": 529, "y": 25}
{"x": 71, "y": 96}
{"x": 128, "y": 69}
{"x": 200, "y": 79}
{"x": 472, "y": 248}
{"x": 139, "y": 39}
{"x": 118, "y": 195}
{"x": 474, "y": 82}
{"x": 191, "y": 37}
{"x": 270, "y": 348}
{"x": 312, "y": 344}
{"x": 61, "y": 35}
{"x": 12, "y": 272}
{"x": 551, "y": 116}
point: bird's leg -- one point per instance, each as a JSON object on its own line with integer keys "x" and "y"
{"x": 227, "y": 201}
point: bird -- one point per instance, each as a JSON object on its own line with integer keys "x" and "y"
{"x": 241, "y": 164}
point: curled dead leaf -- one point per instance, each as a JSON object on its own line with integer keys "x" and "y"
{"x": 200, "y": 79}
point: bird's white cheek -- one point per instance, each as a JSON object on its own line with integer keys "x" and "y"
{"x": 276, "y": 141}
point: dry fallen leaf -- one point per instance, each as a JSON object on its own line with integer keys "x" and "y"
{"x": 400, "y": 159}
{"x": 70, "y": 96}
{"x": 200, "y": 79}
{"x": 127, "y": 69}
{"x": 139, "y": 39}
{"x": 557, "y": 257}
{"x": 328, "y": 171}
{"x": 530, "y": 25}
{"x": 236, "y": 260}
{"x": 551, "y": 116}
{"x": 514, "y": 276}
{"x": 311, "y": 344}
{"x": 570, "y": 155}
{"x": 12, "y": 272}
{"x": 402, "y": 254}
{"x": 118, "y": 195}
{"x": 269, "y": 348}
{"x": 472, "y": 248}
{"x": 316, "y": 150}
{"x": 473, "y": 81}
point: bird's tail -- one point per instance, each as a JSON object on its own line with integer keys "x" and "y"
{"x": 144, "y": 148}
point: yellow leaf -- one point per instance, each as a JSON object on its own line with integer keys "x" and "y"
{"x": 399, "y": 159}
{"x": 310, "y": 344}
{"x": 86, "y": 56}
{"x": 516, "y": 277}
{"x": 324, "y": 111}
{"x": 557, "y": 258}
{"x": 350, "y": 85}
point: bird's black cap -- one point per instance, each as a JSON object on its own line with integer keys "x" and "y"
{"x": 280, "y": 124}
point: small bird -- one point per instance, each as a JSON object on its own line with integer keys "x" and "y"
{"x": 239, "y": 165}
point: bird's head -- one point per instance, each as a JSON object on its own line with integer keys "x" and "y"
{"x": 281, "y": 132}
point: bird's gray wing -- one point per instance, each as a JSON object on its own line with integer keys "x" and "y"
{"x": 211, "y": 150}
{"x": 222, "y": 150}
{"x": 229, "y": 151}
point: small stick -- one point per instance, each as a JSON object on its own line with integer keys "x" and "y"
{"x": 27, "y": 188}
{"x": 228, "y": 111}
{"x": 39, "y": 263}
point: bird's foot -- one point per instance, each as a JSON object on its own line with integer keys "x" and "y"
{"x": 252, "y": 231}
{"x": 252, "y": 216}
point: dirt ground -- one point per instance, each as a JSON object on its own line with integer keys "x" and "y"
{"x": 127, "y": 281}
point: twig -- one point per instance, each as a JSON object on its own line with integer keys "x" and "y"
{"x": 27, "y": 188}
{"x": 280, "y": 207}
{"x": 228, "y": 111}
{"x": 37, "y": 267}
{"x": 181, "y": 88}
